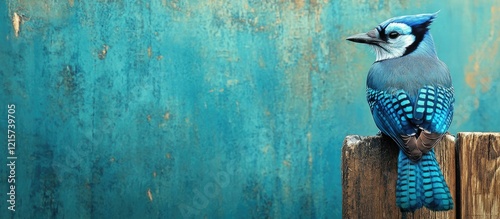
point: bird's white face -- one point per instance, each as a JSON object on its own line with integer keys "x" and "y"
{"x": 397, "y": 37}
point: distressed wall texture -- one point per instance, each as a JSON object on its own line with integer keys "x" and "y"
{"x": 168, "y": 109}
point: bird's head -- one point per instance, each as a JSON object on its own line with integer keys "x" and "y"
{"x": 399, "y": 36}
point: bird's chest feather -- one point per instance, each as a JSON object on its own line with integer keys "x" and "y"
{"x": 408, "y": 73}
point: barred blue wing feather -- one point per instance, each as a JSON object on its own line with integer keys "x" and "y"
{"x": 434, "y": 108}
{"x": 392, "y": 113}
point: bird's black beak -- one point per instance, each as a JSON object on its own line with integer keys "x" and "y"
{"x": 372, "y": 37}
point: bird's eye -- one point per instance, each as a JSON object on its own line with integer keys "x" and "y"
{"x": 393, "y": 35}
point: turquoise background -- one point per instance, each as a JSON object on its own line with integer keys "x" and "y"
{"x": 208, "y": 109}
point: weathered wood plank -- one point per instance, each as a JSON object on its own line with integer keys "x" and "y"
{"x": 369, "y": 169}
{"x": 479, "y": 163}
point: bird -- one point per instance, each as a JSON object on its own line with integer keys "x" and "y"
{"x": 410, "y": 94}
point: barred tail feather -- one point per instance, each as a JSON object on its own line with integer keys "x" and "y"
{"x": 436, "y": 195}
{"x": 408, "y": 184}
{"x": 421, "y": 183}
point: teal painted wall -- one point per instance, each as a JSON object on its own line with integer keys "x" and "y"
{"x": 165, "y": 109}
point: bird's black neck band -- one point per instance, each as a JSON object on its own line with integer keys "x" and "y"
{"x": 419, "y": 32}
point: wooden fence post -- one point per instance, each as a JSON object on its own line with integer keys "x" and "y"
{"x": 369, "y": 172}
{"x": 479, "y": 163}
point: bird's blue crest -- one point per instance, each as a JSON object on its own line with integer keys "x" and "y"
{"x": 411, "y": 20}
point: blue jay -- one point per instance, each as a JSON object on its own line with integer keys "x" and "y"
{"x": 410, "y": 95}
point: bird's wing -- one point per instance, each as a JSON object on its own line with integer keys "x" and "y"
{"x": 434, "y": 109}
{"x": 398, "y": 116}
{"x": 392, "y": 112}
{"x": 433, "y": 114}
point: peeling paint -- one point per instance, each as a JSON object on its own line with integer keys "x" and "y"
{"x": 287, "y": 163}
{"x": 150, "y": 195}
{"x": 102, "y": 54}
{"x": 309, "y": 150}
{"x": 16, "y": 23}
{"x": 232, "y": 82}
{"x": 166, "y": 116}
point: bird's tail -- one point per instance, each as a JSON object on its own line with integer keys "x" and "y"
{"x": 421, "y": 183}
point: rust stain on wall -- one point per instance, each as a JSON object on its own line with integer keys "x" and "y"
{"x": 481, "y": 70}
{"x": 299, "y": 3}
{"x": 481, "y": 67}
{"x": 470, "y": 76}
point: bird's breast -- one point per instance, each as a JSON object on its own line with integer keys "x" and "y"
{"x": 408, "y": 73}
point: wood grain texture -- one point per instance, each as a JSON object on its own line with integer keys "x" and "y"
{"x": 479, "y": 163}
{"x": 369, "y": 170}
